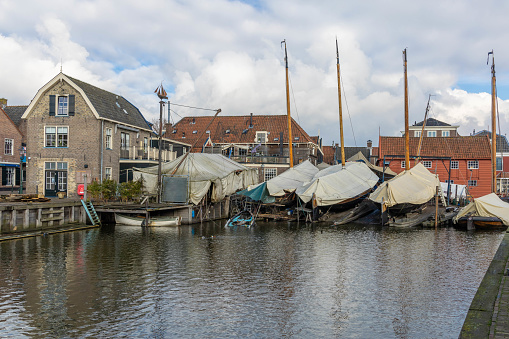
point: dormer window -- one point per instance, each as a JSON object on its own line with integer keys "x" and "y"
{"x": 193, "y": 122}
{"x": 261, "y": 137}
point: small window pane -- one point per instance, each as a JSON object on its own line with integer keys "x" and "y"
{"x": 50, "y": 165}
{"x": 62, "y": 165}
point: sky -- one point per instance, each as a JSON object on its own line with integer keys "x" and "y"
{"x": 228, "y": 54}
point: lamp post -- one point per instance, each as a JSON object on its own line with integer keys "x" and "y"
{"x": 161, "y": 93}
{"x": 21, "y": 158}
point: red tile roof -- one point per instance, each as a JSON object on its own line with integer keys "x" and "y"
{"x": 235, "y": 129}
{"x": 467, "y": 147}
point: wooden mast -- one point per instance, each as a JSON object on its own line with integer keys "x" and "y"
{"x": 290, "y": 140}
{"x": 340, "y": 109}
{"x": 493, "y": 125}
{"x": 407, "y": 136}
{"x": 161, "y": 93}
{"x": 422, "y": 130}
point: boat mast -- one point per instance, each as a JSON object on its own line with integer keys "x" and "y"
{"x": 422, "y": 130}
{"x": 493, "y": 125}
{"x": 407, "y": 136}
{"x": 340, "y": 110}
{"x": 290, "y": 140}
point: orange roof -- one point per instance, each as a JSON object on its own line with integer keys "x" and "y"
{"x": 235, "y": 129}
{"x": 467, "y": 147}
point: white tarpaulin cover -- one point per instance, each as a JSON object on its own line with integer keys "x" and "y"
{"x": 225, "y": 175}
{"x": 489, "y": 205}
{"x": 360, "y": 157}
{"x": 458, "y": 191}
{"x": 336, "y": 184}
{"x": 292, "y": 178}
{"x": 415, "y": 186}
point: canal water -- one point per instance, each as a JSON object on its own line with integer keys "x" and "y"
{"x": 274, "y": 280}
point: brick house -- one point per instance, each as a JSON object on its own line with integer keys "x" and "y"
{"x": 433, "y": 128}
{"x": 469, "y": 163}
{"x": 10, "y": 160}
{"x": 502, "y": 161}
{"x": 259, "y": 141}
{"x": 74, "y": 128}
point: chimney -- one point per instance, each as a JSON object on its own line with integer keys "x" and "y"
{"x": 251, "y": 121}
{"x": 3, "y": 102}
{"x": 370, "y": 144}
{"x": 168, "y": 129}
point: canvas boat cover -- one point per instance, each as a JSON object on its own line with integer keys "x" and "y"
{"x": 336, "y": 184}
{"x": 415, "y": 186}
{"x": 360, "y": 157}
{"x": 204, "y": 170}
{"x": 286, "y": 182}
{"x": 489, "y": 205}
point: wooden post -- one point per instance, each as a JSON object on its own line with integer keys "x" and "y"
{"x": 436, "y": 208}
{"x": 407, "y": 136}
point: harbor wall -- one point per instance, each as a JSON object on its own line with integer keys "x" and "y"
{"x": 28, "y": 217}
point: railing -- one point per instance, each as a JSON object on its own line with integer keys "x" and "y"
{"x": 152, "y": 153}
{"x": 257, "y": 159}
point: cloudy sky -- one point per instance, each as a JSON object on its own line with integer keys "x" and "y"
{"x": 228, "y": 55}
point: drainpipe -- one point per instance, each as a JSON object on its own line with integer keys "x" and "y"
{"x": 102, "y": 149}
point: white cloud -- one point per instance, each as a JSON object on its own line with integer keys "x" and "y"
{"x": 227, "y": 54}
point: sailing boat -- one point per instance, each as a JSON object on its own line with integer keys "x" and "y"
{"x": 410, "y": 189}
{"x": 342, "y": 185}
{"x": 489, "y": 211}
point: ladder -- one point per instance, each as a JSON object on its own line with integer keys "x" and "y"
{"x": 442, "y": 198}
{"x": 92, "y": 214}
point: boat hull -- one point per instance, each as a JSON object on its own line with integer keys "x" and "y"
{"x": 481, "y": 223}
{"x": 153, "y": 222}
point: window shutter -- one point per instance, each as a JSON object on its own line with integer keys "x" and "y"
{"x": 71, "y": 105}
{"x": 51, "y": 105}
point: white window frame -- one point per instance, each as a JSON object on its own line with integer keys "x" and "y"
{"x": 417, "y": 133}
{"x": 269, "y": 173}
{"x": 9, "y": 146}
{"x": 107, "y": 173}
{"x": 60, "y": 132}
{"x": 62, "y": 106}
{"x": 109, "y": 138}
{"x": 261, "y": 137}
{"x": 11, "y": 176}
{"x": 427, "y": 163}
{"x": 446, "y": 133}
{"x": 473, "y": 164}
{"x": 403, "y": 164}
{"x": 432, "y": 134}
{"x": 455, "y": 164}
{"x": 472, "y": 183}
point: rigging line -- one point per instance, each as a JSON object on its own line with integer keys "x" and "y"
{"x": 204, "y": 109}
{"x": 348, "y": 111}
{"x": 293, "y": 96}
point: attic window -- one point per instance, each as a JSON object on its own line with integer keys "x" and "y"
{"x": 125, "y": 111}
{"x": 227, "y": 131}
{"x": 194, "y": 132}
{"x": 244, "y": 131}
{"x": 183, "y": 135}
{"x": 276, "y": 139}
{"x": 118, "y": 105}
{"x": 174, "y": 131}
{"x": 193, "y": 122}
{"x": 296, "y": 138}
{"x": 208, "y": 132}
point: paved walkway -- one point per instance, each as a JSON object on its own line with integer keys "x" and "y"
{"x": 488, "y": 315}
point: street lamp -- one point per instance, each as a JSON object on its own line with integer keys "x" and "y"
{"x": 21, "y": 159}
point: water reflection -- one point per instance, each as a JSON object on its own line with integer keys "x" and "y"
{"x": 269, "y": 281}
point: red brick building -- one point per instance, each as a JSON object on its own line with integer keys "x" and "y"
{"x": 11, "y": 138}
{"x": 259, "y": 141}
{"x": 470, "y": 159}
